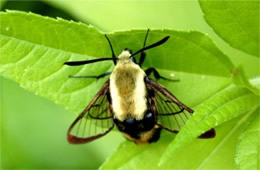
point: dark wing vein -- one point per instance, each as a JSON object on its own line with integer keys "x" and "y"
{"x": 170, "y": 112}
{"x": 95, "y": 121}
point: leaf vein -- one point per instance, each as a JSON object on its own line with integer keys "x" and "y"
{"x": 237, "y": 23}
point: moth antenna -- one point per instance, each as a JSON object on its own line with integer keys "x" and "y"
{"x": 151, "y": 46}
{"x": 146, "y": 35}
{"x": 143, "y": 55}
{"x": 113, "y": 54}
{"x": 78, "y": 63}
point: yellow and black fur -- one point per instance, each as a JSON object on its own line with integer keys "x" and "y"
{"x": 129, "y": 101}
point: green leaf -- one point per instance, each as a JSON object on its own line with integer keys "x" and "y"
{"x": 223, "y": 106}
{"x": 181, "y": 52}
{"x": 200, "y": 154}
{"x": 34, "y": 48}
{"x": 248, "y": 147}
{"x": 169, "y": 14}
{"x": 237, "y": 22}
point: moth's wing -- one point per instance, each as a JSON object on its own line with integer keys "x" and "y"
{"x": 171, "y": 114}
{"x": 95, "y": 121}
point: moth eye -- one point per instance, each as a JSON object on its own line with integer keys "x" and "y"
{"x": 130, "y": 121}
{"x": 121, "y": 126}
{"x": 148, "y": 121}
{"x": 149, "y": 115}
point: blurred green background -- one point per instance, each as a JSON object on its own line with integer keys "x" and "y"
{"x": 33, "y": 129}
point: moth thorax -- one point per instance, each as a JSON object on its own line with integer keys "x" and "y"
{"x": 128, "y": 91}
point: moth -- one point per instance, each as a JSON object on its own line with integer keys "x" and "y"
{"x": 130, "y": 100}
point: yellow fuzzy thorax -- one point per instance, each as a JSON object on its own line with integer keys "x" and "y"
{"x": 127, "y": 89}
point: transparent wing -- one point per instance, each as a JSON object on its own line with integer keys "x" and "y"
{"x": 95, "y": 121}
{"x": 171, "y": 114}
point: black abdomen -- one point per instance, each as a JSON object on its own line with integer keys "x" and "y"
{"x": 136, "y": 128}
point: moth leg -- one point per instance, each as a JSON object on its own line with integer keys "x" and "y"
{"x": 156, "y": 74}
{"x": 97, "y": 77}
{"x": 143, "y": 54}
{"x": 142, "y": 57}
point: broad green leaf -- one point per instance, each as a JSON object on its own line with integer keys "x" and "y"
{"x": 237, "y": 22}
{"x": 223, "y": 106}
{"x": 34, "y": 48}
{"x": 200, "y": 154}
{"x": 78, "y": 9}
{"x": 248, "y": 147}
{"x": 169, "y": 14}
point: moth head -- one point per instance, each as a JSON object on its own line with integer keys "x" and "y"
{"x": 125, "y": 55}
